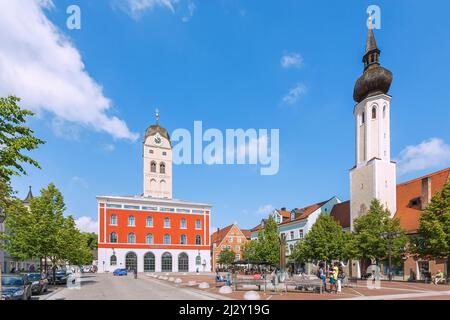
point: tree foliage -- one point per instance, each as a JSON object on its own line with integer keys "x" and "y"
{"x": 42, "y": 231}
{"x": 15, "y": 139}
{"x": 267, "y": 248}
{"x": 326, "y": 241}
{"x": 376, "y": 234}
{"x": 249, "y": 251}
{"x": 434, "y": 227}
{"x": 227, "y": 256}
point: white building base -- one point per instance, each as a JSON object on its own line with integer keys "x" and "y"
{"x": 104, "y": 259}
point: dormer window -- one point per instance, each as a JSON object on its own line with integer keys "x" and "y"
{"x": 415, "y": 203}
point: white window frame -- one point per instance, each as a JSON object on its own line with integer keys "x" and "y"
{"x": 146, "y": 238}
{"x": 166, "y": 219}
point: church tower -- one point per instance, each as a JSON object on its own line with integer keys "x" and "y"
{"x": 374, "y": 174}
{"x": 157, "y": 157}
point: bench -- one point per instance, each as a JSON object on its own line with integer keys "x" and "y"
{"x": 260, "y": 283}
{"x": 304, "y": 284}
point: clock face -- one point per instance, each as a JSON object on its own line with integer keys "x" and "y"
{"x": 157, "y": 140}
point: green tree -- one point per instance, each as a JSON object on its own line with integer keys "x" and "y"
{"x": 44, "y": 232}
{"x": 433, "y": 238}
{"x": 249, "y": 251}
{"x": 226, "y": 256}
{"x": 75, "y": 243}
{"x": 15, "y": 138}
{"x": 91, "y": 240}
{"x": 370, "y": 240}
{"x": 326, "y": 241}
{"x": 268, "y": 244}
{"x": 48, "y": 212}
{"x": 21, "y": 232}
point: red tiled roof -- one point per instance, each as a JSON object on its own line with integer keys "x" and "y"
{"x": 256, "y": 228}
{"x": 219, "y": 235}
{"x": 341, "y": 213}
{"x": 410, "y": 190}
{"x": 284, "y": 214}
{"x": 306, "y": 211}
{"x": 247, "y": 233}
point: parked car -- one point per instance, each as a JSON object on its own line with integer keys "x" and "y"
{"x": 39, "y": 283}
{"x": 16, "y": 287}
{"x": 120, "y": 272}
{"x": 60, "y": 277}
{"x": 87, "y": 269}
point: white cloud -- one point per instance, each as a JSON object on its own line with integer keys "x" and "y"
{"x": 294, "y": 94}
{"x": 291, "y": 60}
{"x": 190, "y": 12}
{"x": 265, "y": 210}
{"x": 86, "y": 224}
{"x": 430, "y": 154}
{"x": 142, "y": 5}
{"x": 41, "y": 66}
{"x": 66, "y": 130}
{"x": 136, "y": 8}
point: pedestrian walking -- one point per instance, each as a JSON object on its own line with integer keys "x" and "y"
{"x": 334, "y": 277}
{"x": 341, "y": 277}
{"x": 322, "y": 276}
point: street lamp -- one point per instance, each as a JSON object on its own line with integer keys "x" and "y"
{"x": 390, "y": 236}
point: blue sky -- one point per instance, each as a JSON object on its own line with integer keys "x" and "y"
{"x": 221, "y": 62}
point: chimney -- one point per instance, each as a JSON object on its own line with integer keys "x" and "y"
{"x": 283, "y": 209}
{"x": 425, "y": 196}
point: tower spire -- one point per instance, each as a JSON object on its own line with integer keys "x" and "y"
{"x": 371, "y": 44}
{"x": 157, "y": 115}
{"x": 372, "y": 53}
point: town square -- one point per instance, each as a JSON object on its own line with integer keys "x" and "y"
{"x": 224, "y": 151}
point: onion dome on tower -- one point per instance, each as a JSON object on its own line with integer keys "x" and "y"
{"x": 153, "y": 129}
{"x": 375, "y": 79}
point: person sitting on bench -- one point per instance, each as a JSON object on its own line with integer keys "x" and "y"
{"x": 219, "y": 278}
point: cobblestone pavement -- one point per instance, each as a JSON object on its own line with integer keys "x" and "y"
{"x": 162, "y": 286}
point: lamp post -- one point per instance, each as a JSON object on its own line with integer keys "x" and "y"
{"x": 390, "y": 236}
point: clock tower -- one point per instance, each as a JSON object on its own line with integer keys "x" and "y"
{"x": 374, "y": 174}
{"x": 157, "y": 158}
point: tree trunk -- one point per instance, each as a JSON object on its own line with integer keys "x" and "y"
{"x": 40, "y": 264}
